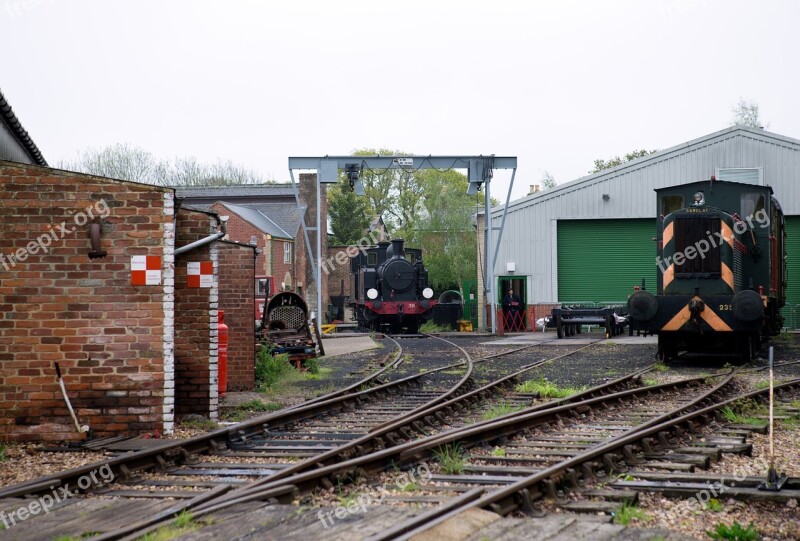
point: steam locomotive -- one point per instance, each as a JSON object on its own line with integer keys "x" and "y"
{"x": 390, "y": 288}
{"x": 722, "y": 270}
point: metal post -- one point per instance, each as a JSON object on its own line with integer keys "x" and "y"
{"x": 487, "y": 222}
{"x": 319, "y": 253}
{"x": 771, "y": 402}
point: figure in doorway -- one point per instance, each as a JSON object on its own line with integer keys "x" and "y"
{"x": 512, "y": 312}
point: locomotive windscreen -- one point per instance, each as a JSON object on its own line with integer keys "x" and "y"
{"x": 698, "y": 232}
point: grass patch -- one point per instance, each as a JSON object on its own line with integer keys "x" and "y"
{"x": 546, "y": 389}
{"x": 246, "y": 409}
{"x": 714, "y": 505}
{"x": 183, "y": 524}
{"x": 321, "y": 373}
{"x": 629, "y": 513}
{"x": 783, "y": 337}
{"x": 660, "y": 367}
{"x": 205, "y": 424}
{"x": 734, "y": 532}
{"x": 503, "y": 408}
{"x": 744, "y": 412}
{"x": 429, "y": 327}
{"x": 312, "y": 365}
{"x": 409, "y": 487}
{"x": 451, "y": 459}
{"x": 499, "y": 451}
{"x": 650, "y": 382}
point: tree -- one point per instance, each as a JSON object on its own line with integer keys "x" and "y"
{"x": 127, "y": 162}
{"x": 548, "y": 181}
{"x": 349, "y": 214}
{"x": 600, "y": 165}
{"x": 745, "y": 113}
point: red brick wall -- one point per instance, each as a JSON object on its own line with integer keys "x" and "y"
{"x": 193, "y": 344}
{"x": 236, "y": 298}
{"x": 271, "y": 261}
{"x": 60, "y": 306}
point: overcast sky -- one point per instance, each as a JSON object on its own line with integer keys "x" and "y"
{"x": 557, "y": 84}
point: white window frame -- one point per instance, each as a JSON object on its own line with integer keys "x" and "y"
{"x": 287, "y": 252}
{"x": 720, "y": 172}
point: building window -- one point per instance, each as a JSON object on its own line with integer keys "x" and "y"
{"x": 287, "y": 252}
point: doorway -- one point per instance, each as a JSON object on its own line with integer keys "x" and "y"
{"x": 513, "y": 292}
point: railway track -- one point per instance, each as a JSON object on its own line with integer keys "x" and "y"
{"x": 260, "y": 448}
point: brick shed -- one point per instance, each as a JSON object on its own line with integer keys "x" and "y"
{"x": 134, "y": 334}
{"x": 59, "y": 305}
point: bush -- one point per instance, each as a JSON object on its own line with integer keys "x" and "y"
{"x": 271, "y": 368}
{"x": 312, "y": 365}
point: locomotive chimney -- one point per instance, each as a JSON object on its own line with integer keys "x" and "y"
{"x": 396, "y": 250}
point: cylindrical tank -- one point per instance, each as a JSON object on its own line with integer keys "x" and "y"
{"x": 222, "y": 334}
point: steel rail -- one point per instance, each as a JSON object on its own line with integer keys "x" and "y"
{"x": 519, "y": 494}
{"x": 155, "y": 457}
{"x": 411, "y": 451}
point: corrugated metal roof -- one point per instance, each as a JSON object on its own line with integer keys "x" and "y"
{"x": 646, "y": 161}
{"x": 259, "y": 220}
{"x": 625, "y": 192}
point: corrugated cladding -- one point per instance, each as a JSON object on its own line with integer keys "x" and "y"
{"x": 602, "y": 260}
{"x": 530, "y": 238}
{"x": 792, "y": 310}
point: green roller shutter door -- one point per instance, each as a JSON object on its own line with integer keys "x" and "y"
{"x": 790, "y": 313}
{"x": 601, "y": 260}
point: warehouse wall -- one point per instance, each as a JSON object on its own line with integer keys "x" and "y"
{"x": 530, "y": 236}
{"x": 58, "y": 305}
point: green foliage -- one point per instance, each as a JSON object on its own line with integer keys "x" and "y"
{"x": 451, "y": 459}
{"x": 3, "y": 456}
{"x": 629, "y": 513}
{"x": 548, "y": 181}
{"x": 183, "y": 519}
{"x": 503, "y": 408}
{"x": 498, "y": 451}
{"x": 430, "y": 326}
{"x": 258, "y": 405}
{"x": 650, "y": 382}
{"x": 271, "y": 368}
{"x": 409, "y": 487}
{"x": 546, "y": 389}
{"x": 312, "y": 365}
{"x": 183, "y": 524}
{"x": 734, "y": 532}
{"x": 626, "y": 477}
{"x": 714, "y": 505}
{"x": 744, "y": 412}
{"x": 429, "y": 209}
{"x": 745, "y": 114}
{"x": 660, "y": 367}
{"x": 205, "y": 424}
{"x": 600, "y": 165}
{"x": 349, "y": 213}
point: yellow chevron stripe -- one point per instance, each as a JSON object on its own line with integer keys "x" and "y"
{"x": 727, "y": 275}
{"x": 727, "y": 233}
{"x": 669, "y": 231}
{"x": 710, "y": 317}
{"x": 669, "y": 275}
{"x": 678, "y": 321}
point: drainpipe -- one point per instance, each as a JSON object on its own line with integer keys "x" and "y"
{"x": 207, "y": 240}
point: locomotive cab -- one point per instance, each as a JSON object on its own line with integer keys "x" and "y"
{"x": 721, "y": 270}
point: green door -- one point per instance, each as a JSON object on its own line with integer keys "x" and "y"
{"x": 602, "y": 260}
{"x": 791, "y": 312}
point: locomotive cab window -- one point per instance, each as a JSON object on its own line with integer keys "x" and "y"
{"x": 751, "y": 203}
{"x": 372, "y": 259}
{"x": 411, "y": 257}
{"x": 693, "y": 231}
{"x": 671, "y": 203}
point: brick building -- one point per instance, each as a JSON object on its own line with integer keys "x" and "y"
{"x": 59, "y": 304}
{"x": 247, "y": 225}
